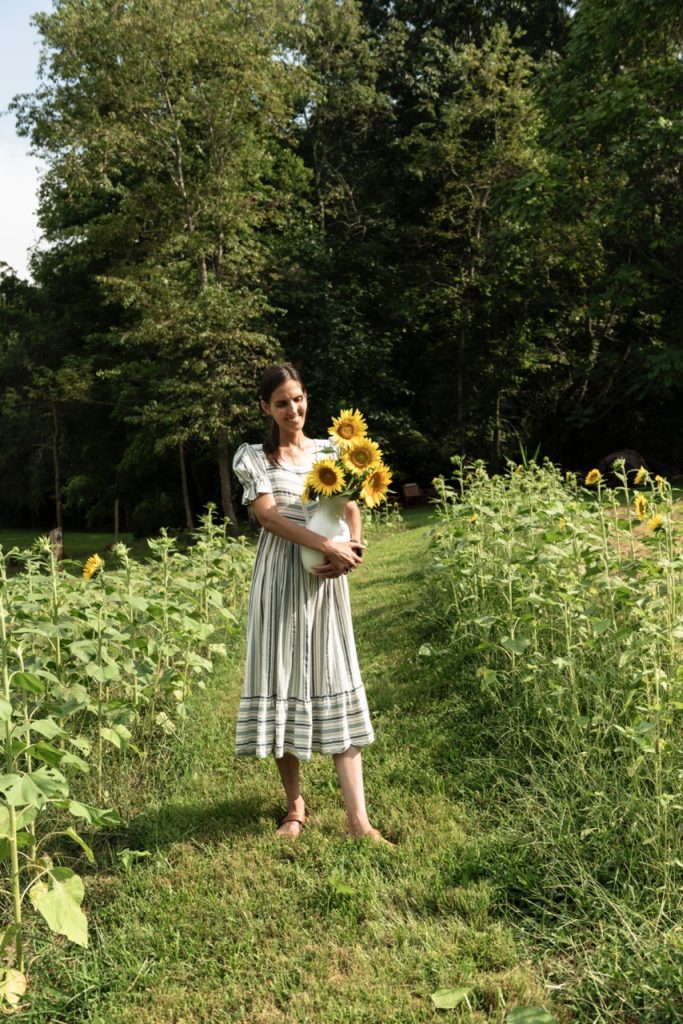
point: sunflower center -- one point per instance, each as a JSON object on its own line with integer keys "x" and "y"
{"x": 327, "y": 476}
{"x": 347, "y": 430}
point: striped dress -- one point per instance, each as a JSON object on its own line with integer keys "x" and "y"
{"x": 303, "y": 691}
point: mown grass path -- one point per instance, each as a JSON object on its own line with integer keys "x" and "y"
{"x": 223, "y": 922}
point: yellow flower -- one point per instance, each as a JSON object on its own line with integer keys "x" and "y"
{"x": 518, "y": 469}
{"x": 347, "y": 427}
{"x": 660, "y": 481}
{"x": 640, "y": 476}
{"x": 654, "y": 523}
{"x": 362, "y": 455}
{"x": 325, "y": 478}
{"x": 594, "y": 477}
{"x": 563, "y": 524}
{"x": 375, "y": 487}
{"x": 473, "y": 518}
{"x": 306, "y": 495}
{"x": 92, "y": 566}
{"x": 640, "y": 506}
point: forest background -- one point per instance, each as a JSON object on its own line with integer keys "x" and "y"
{"x": 465, "y": 218}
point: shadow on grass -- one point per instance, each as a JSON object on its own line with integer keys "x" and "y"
{"x": 177, "y": 821}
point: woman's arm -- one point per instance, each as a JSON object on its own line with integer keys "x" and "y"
{"x": 355, "y": 523}
{"x": 340, "y": 553}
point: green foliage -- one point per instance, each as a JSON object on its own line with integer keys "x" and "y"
{"x": 93, "y": 664}
{"x": 557, "y": 614}
{"x": 463, "y": 218}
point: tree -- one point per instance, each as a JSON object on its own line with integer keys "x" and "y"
{"x": 162, "y": 123}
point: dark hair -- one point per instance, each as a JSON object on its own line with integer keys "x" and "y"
{"x": 272, "y": 378}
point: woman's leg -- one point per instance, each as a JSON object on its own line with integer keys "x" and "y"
{"x": 288, "y": 767}
{"x": 350, "y": 774}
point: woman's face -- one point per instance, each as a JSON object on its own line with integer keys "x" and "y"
{"x": 287, "y": 405}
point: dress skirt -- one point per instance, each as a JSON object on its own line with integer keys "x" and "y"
{"x": 303, "y": 691}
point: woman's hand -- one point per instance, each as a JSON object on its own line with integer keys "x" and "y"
{"x": 343, "y": 555}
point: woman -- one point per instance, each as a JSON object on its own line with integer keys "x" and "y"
{"x": 302, "y": 689}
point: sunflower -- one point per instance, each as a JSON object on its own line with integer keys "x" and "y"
{"x": 654, "y": 523}
{"x": 640, "y": 476}
{"x": 325, "y": 478}
{"x": 362, "y": 455}
{"x": 306, "y": 495}
{"x": 660, "y": 481}
{"x": 376, "y": 485}
{"x": 640, "y": 506}
{"x": 347, "y": 427}
{"x": 93, "y": 565}
{"x": 594, "y": 477}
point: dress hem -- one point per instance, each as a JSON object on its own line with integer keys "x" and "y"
{"x": 301, "y": 756}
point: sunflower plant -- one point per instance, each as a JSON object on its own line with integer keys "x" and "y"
{"x": 351, "y": 467}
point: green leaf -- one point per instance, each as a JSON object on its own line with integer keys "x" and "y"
{"x": 516, "y": 646}
{"x": 530, "y": 1015}
{"x": 46, "y": 752}
{"x": 599, "y": 626}
{"x": 12, "y": 985}
{"x": 27, "y": 681}
{"x": 93, "y": 815}
{"x": 73, "y": 834}
{"x": 340, "y": 886}
{"x": 5, "y": 710}
{"x": 449, "y": 998}
{"x": 118, "y": 735}
{"x": 46, "y": 727}
{"x": 60, "y": 904}
{"x": 78, "y": 762}
{"x": 128, "y": 856}
{"x": 77, "y": 698}
{"x": 34, "y": 788}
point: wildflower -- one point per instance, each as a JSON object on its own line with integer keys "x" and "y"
{"x": 362, "y": 455}
{"x": 375, "y": 488}
{"x": 473, "y": 518}
{"x": 640, "y": 507}
{"x": 93, "y": 565}
{"x": 660, "y": 481}
{"x": 563, "y": 524}
{"x": 325, "y": 478}
{"x": 654, "y": 523}
{"x": 640, "y": 476}
{"x": 348, "y": 426}
{"x": 594, "y": 477}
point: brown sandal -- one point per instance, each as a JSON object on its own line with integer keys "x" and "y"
{"x": 292, "y": 817}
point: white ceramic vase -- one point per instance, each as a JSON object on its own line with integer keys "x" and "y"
{"x": 330, "y": 521}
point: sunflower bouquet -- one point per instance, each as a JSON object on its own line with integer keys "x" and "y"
{"x": 354, "y": 467}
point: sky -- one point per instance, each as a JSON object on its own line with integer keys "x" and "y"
{"x": 19, "y": 52}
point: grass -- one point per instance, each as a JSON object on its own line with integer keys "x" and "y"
{"x": 77, "y": 544}
{"x": 224, "y": 923}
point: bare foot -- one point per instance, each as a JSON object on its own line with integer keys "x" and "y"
{"x": 374, "y": 834}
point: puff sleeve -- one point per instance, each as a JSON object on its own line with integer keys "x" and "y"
{"x": 248, "y": 466}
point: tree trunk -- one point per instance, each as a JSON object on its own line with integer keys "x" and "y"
{"x": 55, "y": 465}
{"x": 226, "y": 490}
{"x": 497, "y": 430}
{"x": 186, "y": 494}
{"x": 460, "y": 396}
